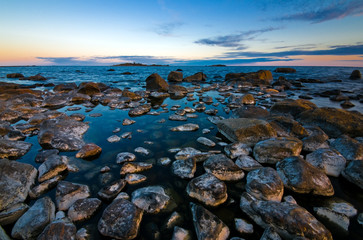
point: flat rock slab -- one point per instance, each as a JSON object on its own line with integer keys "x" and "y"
{"x": 67, "y": 193}
{"x": 120, "y": 220}
{"x": 300, "y": 176}
{"x": 134, "y": 167}
{"x": 246, "y": 130}
{"x": 16, "y": 180}
{"x": 223, "y": 168}
{"x": 151, "y": 199}
{"x": 13, "y": 149}
{"x": 83, "y": 209}
{"x": 208, "y": 226}
{"x": 125, "y": 157}
{"x": 208, "y": 189}
{"x": 12, "y": 214}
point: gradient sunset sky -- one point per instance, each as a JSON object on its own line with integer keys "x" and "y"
{"x": 183, "y": 32}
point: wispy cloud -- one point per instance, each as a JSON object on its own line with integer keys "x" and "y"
{"x": 234, "y": 40}
{"x": 240, "y": 61}
{"x": 336, "y": 10}
{"x": 167, "y": 29}
{"x": 69, "y": 61}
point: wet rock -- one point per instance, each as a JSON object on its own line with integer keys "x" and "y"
{"x": 287, "y": 127}
{"x": 354, "y": 173}
{"x": 44, "y": 187}
{"x": 120, "y": 220}
{"x": 206, "y": 141}
{"x": 54, "y": 166}
{"x": 64, "y": 134}
{"x": 37, "y": 77}
{"x": 10, "y": 116}
{"x": 328, "y": 160}
{"x": 32, "y": 223}
{"x": 152, "y": 199}
{"x": 83, "y": 209}
{"x": 113, "y": 139}
{"x": 208, "y": 189}
{"x": 142, "y": 151}
{"x": 223, "y": 168}
{"x": 12, "y": 214}
{"x": 110, "y": 191}
{"x": 175, "y": 76}
{"x": 248, "y": 99}
{"x": 316, "y": 139}
{"x": 82, "y": 234}
{"x": 265, "y": 184}
{"x": 237, "y": 149}
{"x": 285, "y": 70}
{"x": 14, "y": 75}
{"x": 156, "y": 83}
{"x": 184, "y": 168}
{"x": 95, "y": 115}
{"x": 159, "y": 95}
{"x": 164, "y": 161}
{"x": 175, "y": 117}
{"x": 39, "y": 118}
{"x": 15, "y": 181}
{"x": 215, "y": 119}
{"x": 198, "y": 77}
{"x": 127, "y": 122}
{"x": 208, "y": 226}
{"x": 302, "y": 177}
{"x": 246, "y": 130}
{"x": 127, "y": 135}
{"x": 337, "y": 219}
{"x": 181, "y": 234}
{"x": 271, "y": 234}
{"x": 200, "y": 107}
{"x": 289, "y": 220}
{"x": 355, "y": 75}
{"x": 177, "y": 91}
{"x": 174, "y": 220}
{"x": 347, "y": 104}
{"x": 89, "y": 88}
{"x": 125, "y": 157}
{"x": 13, "y": 149}
{"x": 134, "y": 167}
{"x": 292, "y": 107}
{"x": 185, "y": 128}
{"x": 186, "y": 153}
{"x": 140, "y": 110}
{"x": 89, "y": 151}
{"x": 135, "y": 178}
{"x": 360, "y": 219}
{"x": 350, "y": 148}
{"x": 335, "y": 122}
{"x": 59, "y": 229}
{"x": 56, "y": 101}
{"x": 3, "y": 234}
{"x": 67, "y": 193}
{"x": 275, "y": 149}
{"x": 247, "y": 163}
{"x": 242, "y": 226}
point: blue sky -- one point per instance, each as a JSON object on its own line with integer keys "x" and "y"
{"x": 231, "y": 32}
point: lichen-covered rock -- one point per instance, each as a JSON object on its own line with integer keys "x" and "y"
{"x": 354, "y": 173}
{"x": 152, "y": 199}
{"x": 32, "y": 223}
{"x": 120, "y": 220}
{"x": 88, "y": 151}
{"x": 292, "y": 107}
{"x": 275, "y": 149}
{"x": 13, "y": 149}
{"x": 302, "y": 177}
{"x": 184, "y": 168}
{"x": 83, "y": 209}
{"x": 287, "y": 127}
{"x": 328, "y": 160}
{"x": 316, "y": 139}
{"x": 59, "y": 229}
{"x": 246, "y": 130}
{"x": 223, "y": 168}
{"x": 350, "y": 148}
{"x": 208, "y": 189}
{"x": 265, "y": 184}
{"x": 67, "y": 193}
{"x": 208, "y": 226}
{"x": 156, "y": 83}
{"x": 186, "y": 153}
{"x": 289, "y": 220}
{"x": 16, "y": 180}
{"x": 110, "y": 191}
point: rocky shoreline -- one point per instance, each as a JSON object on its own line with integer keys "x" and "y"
{"x": 272, "y": 148}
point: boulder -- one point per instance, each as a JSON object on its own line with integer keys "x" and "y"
{"x": 14, "y": 75}
{"x": 67, "y": 193}
{"x": 328, "y": 160}
{"x": 83, "y": 209}
{"x": 110, "y": 191}
{"x": 247, "y": 163}
{"x": 350, "y": 148}
{"x": 44, "y": 187}
{"x": 54, "y": 166}
{"x": 290, "y": 220}
{"x": 275, "y": 149}
{"x": 63, "y": 133}
{"x": 285, "y": 70}
{"x": 59, "y": 229}
{"x": 265, "y": 184}
{"x": 316, "y": 139}
{"x": 12, "y": 214}
{"x": 223, "y": 168}
{"x": 184, "y": 168}
{"x": 335, "y": 122}
{"x": 13, "y": 149}
{"x": 292, "y": 107}
{"x": 177, "y": 91}
{"x": 198, "y": 77}
{"x": 16, "y": 180}
{"x": 355, "y": 75}
{"x": 120, "y": 220}
{"x": 156, "y": 83}
{"x": 354, "y": 173}
{"x": 246, "y": 130}
{"x": 32, "y": 223}
{"x": 237, "y": 149}
{"x": 175, "y": 76}
{"x": 37, "y": 77}
{"x": 302, "y": 177}
{"x": 287, "y": 127}
{"x": 89, "y": 151}
{"x": 89, "y": 88}
{"x": 152, "y": 199}
{"x": 251, "y": 111}
{"x": 208, "y": 189}
{"x": 208, "y": 226}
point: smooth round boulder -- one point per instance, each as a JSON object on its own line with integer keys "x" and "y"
{"x": 328, "y": 160}
{"x": 152, "y": 199}
{"x": 223, "y": 168}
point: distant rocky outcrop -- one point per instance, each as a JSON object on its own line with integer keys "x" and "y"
{"x": 355, "y": 75}
{"x": 263, "y": 77}
{"x": 285, "y": 70}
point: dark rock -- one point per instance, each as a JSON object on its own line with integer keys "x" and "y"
{"x": 89, "y": 151}
{"x": 198, "y": 77}
{"x": 262, "y": 77}
{"x": 285, "y": 70}
{"x": 89, "y": 88}
{"x": 109, "y": 192}
{"x": 37, "y": 77}
{"x": 13, "y": 149}
{"x": 208, "y": 189}
{"x": 10, "y": 115}
{"x": 126, "y": 73}
{"x": 52, "y": 167}
{"x": 354, "y": 173}
{"x": 125, "y": 157}
{"x": 275, "y": 149}
{"x": 134, "y": 167}
{"x": 32, "y": 223}
{"x": 237, "y": 149}
{"x": 14, "y": 75}
{"x": 56, "y": 101}
{"x": 328, "y": 160}
{"x": 248, "y": 99}
{"x": 44, "y": 187}
{"x": 45, "y": 155}
{"x": 59, "y": 229}
{"x": 66, "y": 87}
{"x": 247, "y": 163}
{"x": 251, "y": 112}
{"x": 347, "y": 104}
{"x": 350, "y": 148}
{"x": 302, "y": 177}
{"x": 246, "y": 130}
{"x": 83, "y": 209}
{"x": 156, "y": 83}
{"x": 335, "y": 122}
{"x": 12, "y": 214}
{"x": 15, "y": 181}
{"x": 355, "y": 75}
{"x": 184, "y": 168}
{"x": 120, "y": 220}
{"x": 133, "y": 96}
{"x": 223, "y": 168}
{"x": 140, "y": 110}
{"x": 316, "y": 139}
{"x": 177, "y": 90}
{"x": 208, "y": 226}
{"x": 78, "y": 117}
{"x": 67, "y": 193}
{"x": 292, "y": 107}
{"x": 287, "y": 127}
{"x": 175, "y": 76}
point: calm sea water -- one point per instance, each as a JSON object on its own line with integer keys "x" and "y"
{"x": 147, "y": 132}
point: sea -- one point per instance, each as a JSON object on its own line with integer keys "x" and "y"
{"x": 155, "y": 135}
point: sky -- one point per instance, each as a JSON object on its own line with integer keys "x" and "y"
{"x": 183, "y": 32}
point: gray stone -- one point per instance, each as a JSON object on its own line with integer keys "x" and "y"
{"x": 13, "y": 149}
{"x": 189, "y": 127}
{"x": 336, "y": 219}
{"x": 59, "y": 229}
{"x": 315, "y": 140}
{"x": 174, "y": 220}
{"x": 152, "y": 199}
{"x": 125, "y": 157}
{"x": 44, "y": 187}
{"x": 12, "y": 214}
{"x": 52, "y": 167}
{"x": 186, "y": 153}
{"x": 237, "y": 149}
{"x": 271, "y": 234}
{"x": 247, "y": 163}
{"x": 350, "y": 148}
{"x": 45, "y": 155}
{"x": 223, "y": 168}
{"x": 175, "y": 117}
{"x": 354, "y": 173}
{"x": 242, "y": 226}
{"x": 134, "y": 167}
{"x": 4, "y": 236}
{"x": 67, "y": 193}
{"x": 184, "y": 168}
{"x": 110, "y": 191}
{"x": 120, "y": 220}
{"x": 208, "y": 226}
{"x": 328, "y": 160}
{"x": 83, "y": 209}
{"x": 142, "y": 151}
{"x": 181, "y": 234}
{"x": 208, "y": 189}
{"x": 32, "y": 223}
{"x": 134, "y": 178}
{"x": 113, "y": 139}
{"x": 140, "y": 110}
{"x": 206, "y": 141}
{"x": 127, "y": 122}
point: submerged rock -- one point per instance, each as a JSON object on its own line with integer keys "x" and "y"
{"x": 152, "y": 199}
{"x": 185, "y": 128}
{"x": 175, "y": 117}
{"x": 125, "y": 157}
{"x": 67, "y": 193}
{"x": 120, "y": 220}
{"x": 113, "y": 139}
{"x": 223, "y": 168}
{"x": 13, "y": 149}
{"x": 135, "y": 167}
{"x": 206, "y": 141}
{"x": 208, "y": 226}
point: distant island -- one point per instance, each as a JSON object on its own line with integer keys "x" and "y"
{"x": 218, "y": 65}
{"x": 138, "y": 65}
